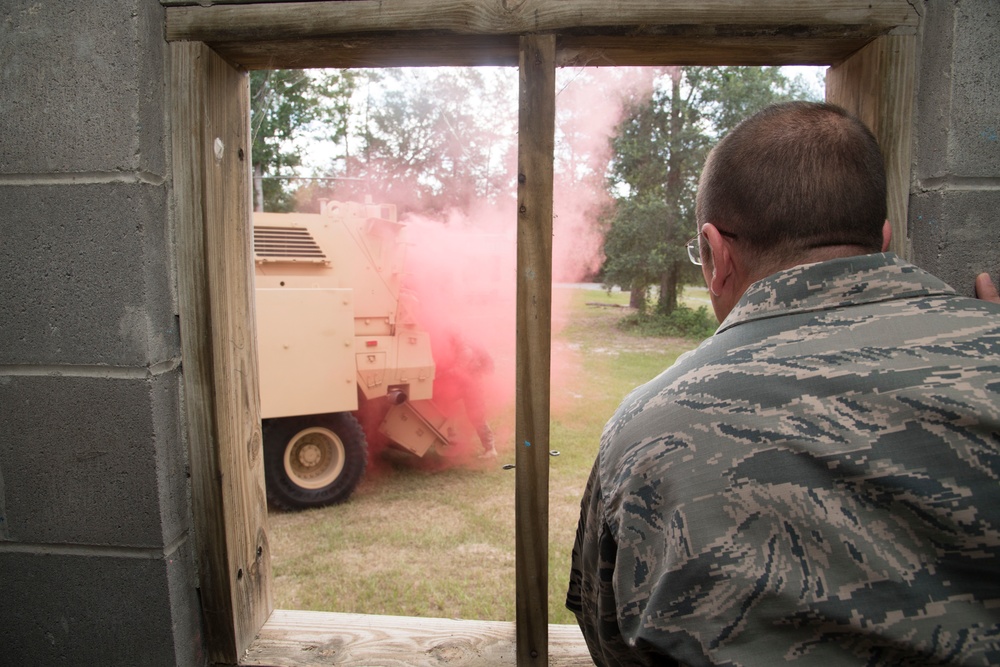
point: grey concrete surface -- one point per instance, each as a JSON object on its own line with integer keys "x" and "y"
{"x": 96, "y": 558}
{"x": 84, "y": 270}
{"x": 127, "y": 609}
{"x": 955, "y": 197}
{"x": 91, "y": 461}
{"x": 975, "y": 109}
{"x": 82, "y": 87}
{"x": 958, "y": 121}
{"x": 955, "y": 234}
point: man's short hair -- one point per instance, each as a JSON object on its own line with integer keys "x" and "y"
{"x": 796, "y": 176}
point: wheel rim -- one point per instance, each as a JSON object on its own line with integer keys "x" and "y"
{"x": 314, "y": 458}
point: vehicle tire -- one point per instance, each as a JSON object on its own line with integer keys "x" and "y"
{"x": 313, "y": 461}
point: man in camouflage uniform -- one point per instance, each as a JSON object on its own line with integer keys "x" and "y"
{"x": 818, "y": 482}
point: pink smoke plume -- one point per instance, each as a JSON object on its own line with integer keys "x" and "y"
{"x": 462, "y": 273}
{"x": 462, "y": 268}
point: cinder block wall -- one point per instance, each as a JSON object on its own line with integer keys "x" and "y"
{"x": 96, "y": 551}
{"x": 954, "y": 213}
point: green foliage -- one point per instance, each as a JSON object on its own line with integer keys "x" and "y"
{"x": 734, "y": 93}
{"x": 636, "y": 249}
{"x": 284, "y": 103}
{"x": 427, "y": 143}
{"x": 659, "y": 150}
{"x": 682, "y": 322}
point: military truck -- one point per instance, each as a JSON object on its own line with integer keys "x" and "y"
{"x": 342, "y": 360}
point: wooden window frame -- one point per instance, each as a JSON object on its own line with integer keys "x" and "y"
{"x": 870, "y": 48}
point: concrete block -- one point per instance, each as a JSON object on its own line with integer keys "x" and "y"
{"x": 85, "y": 275}
{"x": 954, "y": 236}
{"x": 976, "y": 88}
{"x": 100, "y": 609}
{"x": 933, "y": 101}
{"x": 82, "y": 87}
{"x": 958, "y": 127}
{"x": 153, "y": 102}
{"x": 93, "y": 461}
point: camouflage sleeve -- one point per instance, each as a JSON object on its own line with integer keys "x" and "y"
{"x": 591, "y": 594}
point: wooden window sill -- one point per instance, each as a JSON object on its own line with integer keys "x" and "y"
{"x": 306, "y": 638}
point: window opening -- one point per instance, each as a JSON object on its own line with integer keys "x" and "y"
{"x": 405, "y": 213}
{"x": 420, "y": 170}
{"x": 874, "y": 79}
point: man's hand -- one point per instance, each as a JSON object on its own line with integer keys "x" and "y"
{"x": 985, "y": 289}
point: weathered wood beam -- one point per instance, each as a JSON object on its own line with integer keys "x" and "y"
{"x": 248, "y": 21}
{"x": 535, "y": 174}
{"x": 758, "y": 50}
{"x": 399, "y": 33}
{"x": 878, "y": 85}
{"x": 211, "y": 176}
{"x": 316, "y": 639}
{"x": 373, "y": 51}
{"x": 571, "y": 51}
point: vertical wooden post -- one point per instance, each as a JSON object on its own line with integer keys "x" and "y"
{"x": 536, "y": 140}
{"x": 877, "y": 84}
{"x": 211, "y": 186}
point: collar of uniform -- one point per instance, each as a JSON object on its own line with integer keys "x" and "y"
{"x": 834, "y": 284}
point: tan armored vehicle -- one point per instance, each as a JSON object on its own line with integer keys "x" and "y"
{"x": 338, "y": 348}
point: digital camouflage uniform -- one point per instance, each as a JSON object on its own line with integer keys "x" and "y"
{"x": 817, "y": 483}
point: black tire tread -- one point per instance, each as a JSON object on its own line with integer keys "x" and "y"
{"x": 282, "y": 493}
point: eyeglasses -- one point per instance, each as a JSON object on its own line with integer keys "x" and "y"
{"x": 694, "y": 246}
{"x": 694, "y": 250}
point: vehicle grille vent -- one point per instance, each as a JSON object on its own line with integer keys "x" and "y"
{"x": 288, "y": 244}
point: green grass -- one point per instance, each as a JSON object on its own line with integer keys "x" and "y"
{"x": 435, "y": 537}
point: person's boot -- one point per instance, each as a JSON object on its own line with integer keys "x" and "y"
{"x": 486, "y": 437}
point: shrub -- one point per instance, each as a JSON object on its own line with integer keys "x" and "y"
{"x": 683, "y": 322}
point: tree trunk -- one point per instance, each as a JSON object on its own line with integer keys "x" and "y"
{"x": 668, "y": 280}
{"x": 637, "y": 297}
{"x": 667, "y": 302}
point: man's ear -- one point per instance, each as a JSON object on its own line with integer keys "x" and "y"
{"x": 886, "y": 235}
{"x": 721, "y": 266}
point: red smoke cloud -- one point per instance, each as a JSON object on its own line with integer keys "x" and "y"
{"x": 463, "y": 268}
{"x": 462, "y": 272}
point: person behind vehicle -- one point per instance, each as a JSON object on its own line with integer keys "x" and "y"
{"x": 462, "y": 370}
{"x": 819, "y": 481}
